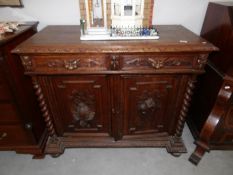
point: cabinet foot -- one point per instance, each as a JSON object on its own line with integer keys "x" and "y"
{"x": 38, "y": 156}
{"x": 56, "y": 155}
{"x": 54, "y": 147}
{"x": 176, "y": 146}
{"x": 176, "y": 154}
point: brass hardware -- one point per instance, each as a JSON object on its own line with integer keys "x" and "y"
{"x": 132, "y": 129}
{"x": 99, "y": 126}
{"x": 227, "y": 87}
{"x": 155, "y": 63}
{"x": 28, "y": 126}
{"x": 97, "y": 86}
{"x": 3, "y": 135}
{"x": 71, "y": 64}
{"x": 113, "y": 111}
{"x": 168, "y": 86}
{"x": 114, "y": 63}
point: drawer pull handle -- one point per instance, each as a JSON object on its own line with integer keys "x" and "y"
{"x": 3, "y": 135}
{"x": 71, "y": 64}
{"x": 155, "y": 63}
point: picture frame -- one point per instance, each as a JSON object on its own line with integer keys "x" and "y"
{"x": 11, "y": 3}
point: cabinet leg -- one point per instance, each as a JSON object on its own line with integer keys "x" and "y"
{"x": 197, "y": 155}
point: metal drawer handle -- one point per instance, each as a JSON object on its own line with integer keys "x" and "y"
{"x": 3, "y": 135}
{"x": 155, "y": 63}
{"x": 227, "y": 87}
{"x": 71, "y": 64}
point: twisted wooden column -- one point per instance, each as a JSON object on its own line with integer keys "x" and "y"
{"x": 54, "y": 144}
{"x": 43, "y": 107}
{"x": 185, "y": 106}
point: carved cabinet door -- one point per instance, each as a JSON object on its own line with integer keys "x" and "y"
{"x": 79, "y": 104}
{"x": 149, "y": 103}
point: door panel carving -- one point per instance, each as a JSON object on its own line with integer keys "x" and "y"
{"x": 147, "y": 101}
{"x": 83, "y": 104}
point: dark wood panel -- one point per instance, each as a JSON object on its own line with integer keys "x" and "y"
{"x": 14, "y": 135}
{"x": 146, "y": 103}
{"x": 82, "y": 104}
{"x": 9, "y": 113}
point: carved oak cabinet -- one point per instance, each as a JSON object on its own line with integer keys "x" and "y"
{"x": 21, "y": 126}
{"x": 114, "y": 93}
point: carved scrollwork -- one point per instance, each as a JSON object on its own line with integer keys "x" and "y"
{"x": 147, "y": 104}
{"x": 157, "y": 64}
{"x": 93, "y": 62}
{"x": 201, "y": 61}
{"x": 83, "y": 105}
{"x": 67, "y": 64}
{"x": 114, "y": 62}
{"x": 27, "y": 63}
{"x": 71, "y": 64}
{"x": 55, "y": 63}
{"x": 135, "y": 61}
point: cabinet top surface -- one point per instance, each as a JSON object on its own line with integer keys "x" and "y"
{"x": 10, "y": 36}
{"x": 66, "y": 39}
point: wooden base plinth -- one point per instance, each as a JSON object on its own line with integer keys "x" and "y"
{"x": 174, "y": 145}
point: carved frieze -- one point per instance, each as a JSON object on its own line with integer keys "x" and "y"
{"x": 83, "y": 108}
{"x": 72, "y": 64}
{"x": 148, "y": 103}
{"x": 201, "y": 61}
{"x": 67, "y": 64}
{"x": 158, "y": 62}
{"x": 27, "y": 63}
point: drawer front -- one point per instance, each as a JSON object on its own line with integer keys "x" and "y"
{"x": 13, "y": 135}
{"x": 85, "y": 63}
{"x": 8, "y": 113}
{"x": 156, "y": 62}
{"x": 65, "y": 64}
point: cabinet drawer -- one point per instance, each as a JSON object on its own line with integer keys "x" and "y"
{"x": 8, "y": 113}
{"x": 65, "y": 64}
{"x": 13, "y": 135}
{"x": 151, "y": 62}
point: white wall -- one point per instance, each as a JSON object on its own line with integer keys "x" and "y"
{"x": 189, "y": 13}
